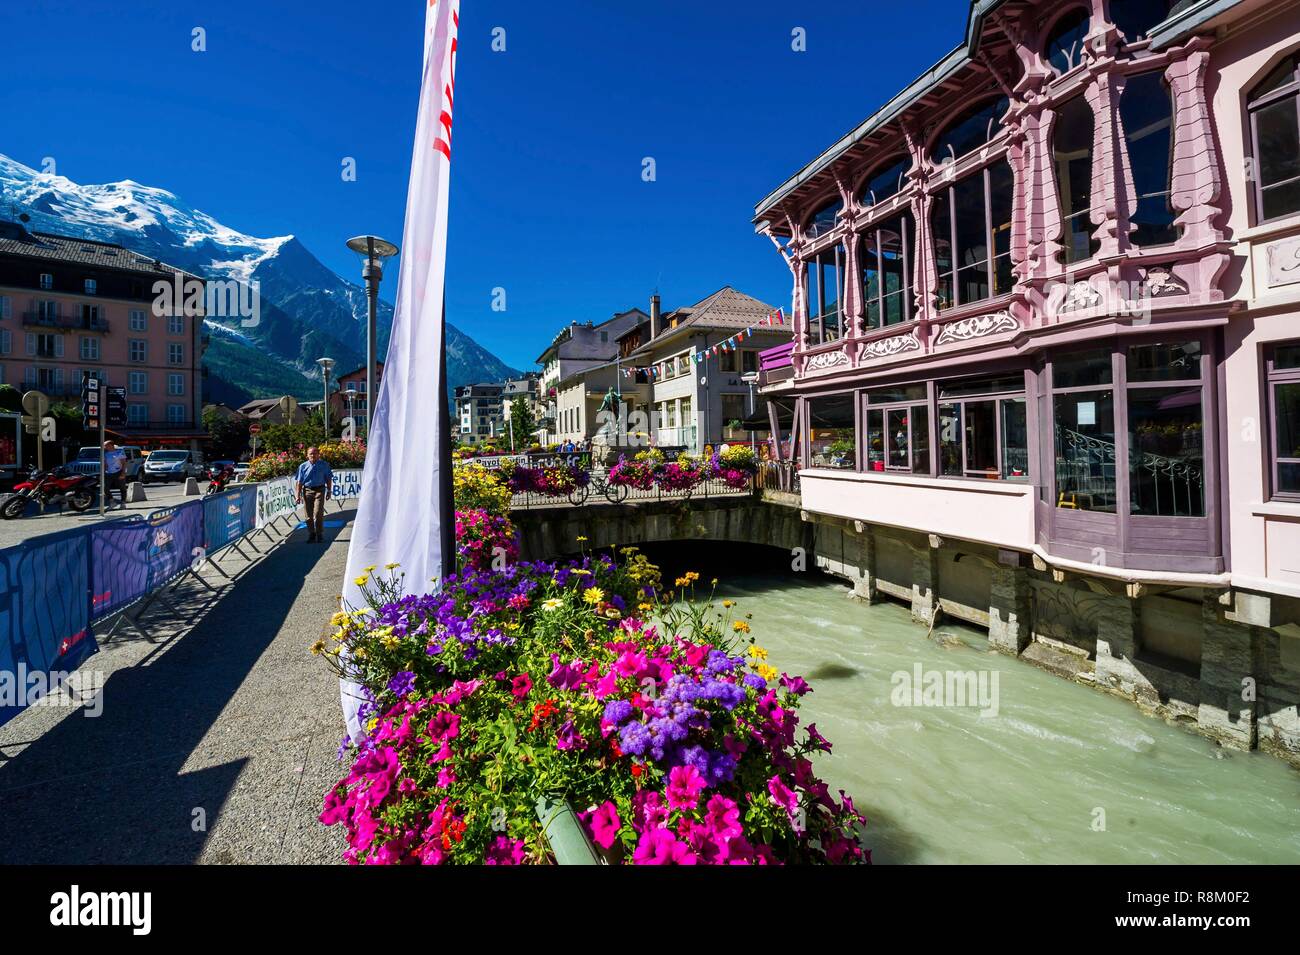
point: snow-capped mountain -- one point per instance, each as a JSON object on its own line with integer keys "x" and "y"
{"x": 306, "y": 310}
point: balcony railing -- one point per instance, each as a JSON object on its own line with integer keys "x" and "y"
{"x": 132, "y": 426}
{"x": 65, "y": 323}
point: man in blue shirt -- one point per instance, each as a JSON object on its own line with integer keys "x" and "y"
{"x": 114, "y": 474}
{"x": 315, "y": 482}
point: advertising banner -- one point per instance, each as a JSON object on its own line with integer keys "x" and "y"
{"x": 346, "y": 484}
{"x": 44, "y": 617}
{"x": 274, "y": 500}
{"x": 223, "y": 519}
{"x": 132, "y": 558}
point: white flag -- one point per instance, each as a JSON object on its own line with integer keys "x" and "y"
{"x": 398, "y": 519}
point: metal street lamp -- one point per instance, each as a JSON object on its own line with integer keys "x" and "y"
{"x": 373, "y": 250}
{"x": 751, "y": 378}
{"x": 325, "y": 365}
{"x": 351, "y": 394}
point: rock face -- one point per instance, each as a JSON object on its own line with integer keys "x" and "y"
{"x": 306, "y": 311}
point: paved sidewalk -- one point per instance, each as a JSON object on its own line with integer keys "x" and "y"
{"x": 159, "y": 496}
{"x": 215, "y": 745}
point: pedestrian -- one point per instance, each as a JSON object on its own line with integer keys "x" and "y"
{"x": 114, "y": 474}
{"x": 315, "y": 486}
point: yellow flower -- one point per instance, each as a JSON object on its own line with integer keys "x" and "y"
{"x": 317, "y": 648}
{"x": 593, "y": 595}
{"x": 368, "y": 569}
{"x": 582, "y": 539}
{"x": 713, "y": 582}
{"x": 767, "y": 672}
{"x": 389, "y": 641}
{"x": 374, "y": 721}
{"x": 579, "y": 572}
{"x": 554, "y": 603}
{"x": 645, "y": 607}
{"x": 741, "y": 627}
{"x": 758, "y": 653}
{"x": 728, "y": 603}
{"x": 361, "y": 581}
{"x": 339, "y": 619}
{"x": 391, "y": 566}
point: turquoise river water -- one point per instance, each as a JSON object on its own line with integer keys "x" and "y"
{"x": 1059, "y": 773}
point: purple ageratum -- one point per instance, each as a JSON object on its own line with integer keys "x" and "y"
{"x": 618, "y": 712}
{"x": 634, "y": 739}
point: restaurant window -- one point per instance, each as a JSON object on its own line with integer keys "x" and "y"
{"x": 1072, "y": 158}
{"x": 885, "y": 183}
{"x": 727, "y": 361}
{"x": 983, "y": 430}
{"x": 1166, "y": 441}
{"x": 832, "y": 432}
{"x": 749, "y": 361}
{"x": 1284, "y": 415}
{"x": 1064, "y": 47}
{"x": 1083, "y": 407}
{"x": 898, "y": 429}
{"x": 1274, "y": 108}
{"x": 971, "y": 221}
{"x": 824, "y": 285}
{"x": 1135, "y": 18}
{"x": 887, "y": 256}
{"x": 1146, "y": 109}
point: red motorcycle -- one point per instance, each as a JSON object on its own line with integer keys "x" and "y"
{"x": 217, "y": 480}
{"x": 57, "y": 486}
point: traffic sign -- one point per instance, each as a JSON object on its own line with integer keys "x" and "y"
{"x": 115, "y": 407}
{"x": 255, "y": 428}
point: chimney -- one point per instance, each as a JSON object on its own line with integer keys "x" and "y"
{"x": 654, "y": 316}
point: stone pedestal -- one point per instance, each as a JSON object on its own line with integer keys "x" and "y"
{"x": 1117, "y": 649}
{"x": 1229, "y": 680}
{"x": 191, "y": 487}
{"x": 1009, "y": 618}
{"x": 864, "y": 581}
{"x": 135, "y": 493}
{"x": 925, "y": 583}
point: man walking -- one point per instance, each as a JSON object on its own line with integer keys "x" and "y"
{"x": 114, "y": 474}
{"x": 315, "y": 482}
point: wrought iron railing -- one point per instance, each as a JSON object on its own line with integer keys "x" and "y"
{"x": 599, "y": 491}
{"x": 1085, "y": 477}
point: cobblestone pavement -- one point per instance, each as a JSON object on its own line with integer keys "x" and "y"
{"x": 216, "y": 739}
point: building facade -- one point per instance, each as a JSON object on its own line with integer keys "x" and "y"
{"x": 479, "y": 419}
{"x": 349, "y": 396}
{"x": 1046, "y": 365}
{"x": 70, "y": 306}
{"x": 577, "y": 348}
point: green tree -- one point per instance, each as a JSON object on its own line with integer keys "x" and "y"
{"x": 229, "y": 434}
{"x": 522, "y": 422}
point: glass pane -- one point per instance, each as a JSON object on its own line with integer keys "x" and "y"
{"x": 1136, "y": 17}
{"x": 1281, "y": 200}
{"x": 1288, "y": 477}
{"x": 1286, "y": 356}
{"x": 1015, "y": 440}
{"x": 1166, "y": 466}
{"x": 894, "y": 267}
{"x": 972, "y": 239}
{"x": 1279, "y": 142}
{"x": 941, "y": 233}
{"x": 875, "y": 441}
{"x": 870, "y": 281}
{"x": 1286, "y": 431}
{"x": 981, "y": 386}
{"x": 896, "y": 438}
{"x": 1282, "y": 75}
{"x": 970, "y": 131}
{"x": 880, "y": 396}
{"x": 1064, "y": 48}
{"x": 1146, "y": 110}
{"x": 886, "y": 183}
{"x": 830, "y": 290}
{"x": 823, "y": 220}
{"x": 980, "y": 420}
{"x": 950, "y": 440}
{"x": 1085, "y": 450}
{"x": 1082, "y": 368}
{"x": 831, "y": 441}
{"x": 1001, "y": 192}
{"x": 1165, "y": 361}
{"x": 1072, "y": 156}
{"x": 920, "y": 439}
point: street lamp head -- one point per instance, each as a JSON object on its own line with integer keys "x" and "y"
{"x": 326, "y": 365}
{"x": 372, "y": 250}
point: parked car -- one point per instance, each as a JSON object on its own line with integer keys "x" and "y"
{"x": 216, "y": 467}
{"x": 87, "y": 461}
{"x": 172, "y": 465}
{"x": 241, "y": 471}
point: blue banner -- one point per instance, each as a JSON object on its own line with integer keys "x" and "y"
{"x": 44, "y": 616}
{"x": 224, "y": 519}
{"x": 132, "y": 558}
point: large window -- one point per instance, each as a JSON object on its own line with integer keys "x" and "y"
{"x": 823, "y": 220}
{"x": 1284, "y": 415}
{"x": 971, "y": 223}
{"x": 1156, "y": 390}
{"x": 898, "y": 429}
{"x": 1072, "y": 157}
{"x": 832, "y": 432}
{"x": 824, "y": 286}
{"x": 886, "y": 258}
{"x": 885, "y": 182}
{"x": 1275, "y": 134}
{"x": 1146, "y": 109}
{"x": 1135, "y": 18}
{"x": 1064, "y": 47}
{"x": 983, "y": 431}
{"x": 969, "y": 131}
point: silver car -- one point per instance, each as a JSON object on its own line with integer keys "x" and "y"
{"x": 87, "y": 461}
{"x": 172, "y": 466}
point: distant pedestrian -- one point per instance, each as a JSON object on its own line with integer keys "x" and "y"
{"x": 114, "y": 474}
{"x": 315, "y": 484}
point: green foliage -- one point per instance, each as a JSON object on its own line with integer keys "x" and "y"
{"x": 229, "y": 435}
{"x": 522, "y": 422}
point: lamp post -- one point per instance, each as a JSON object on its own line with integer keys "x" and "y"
{"x": 351, "y": 394}
{"x": 750, "y": 378}
{"x": 373, "y": 250}
{"x": 326, "y": 364}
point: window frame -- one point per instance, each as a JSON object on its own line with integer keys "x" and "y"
{"x": 1272, "y": 378}
{"x": 871, "y": 233}
{"x": 949, "y": 193}
{"x": 813, "y": 265}
{"x": 1254, "y": 105}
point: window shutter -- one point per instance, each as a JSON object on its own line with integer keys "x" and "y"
{"x": 6, "y": 341}
{"x": 58, "y": 379}
{"x": 58, "y": 347}
{"x": 31, "y": 343}
{"x": 29, "y": 375}
{"x": 5, "y": 307}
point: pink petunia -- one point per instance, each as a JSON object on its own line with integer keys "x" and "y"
{"x": 661, "y": 847}
{"x": 520, "y": 686}
{"x": 605, "y": 824}
{"x": 685, "y": 783}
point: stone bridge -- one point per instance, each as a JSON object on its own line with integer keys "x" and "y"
{"x": 772, "y": 519}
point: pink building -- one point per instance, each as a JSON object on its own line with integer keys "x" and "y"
{"x": 69, "y": 306}
{"x": 1046, "y": 369}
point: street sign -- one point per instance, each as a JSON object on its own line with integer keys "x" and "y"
{"x": 115, "y": 407}
{"x": 288, "y": 408}
{"x": 90, "y": 401}
{"x": 36, "y": 403}
{"x": 255, "y": 428}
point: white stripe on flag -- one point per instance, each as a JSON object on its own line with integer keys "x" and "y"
{"x": 397, "y": 518}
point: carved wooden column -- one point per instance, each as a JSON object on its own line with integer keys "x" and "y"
{"x": 1112, "y": 204}
{"x": 1197, "y": 180}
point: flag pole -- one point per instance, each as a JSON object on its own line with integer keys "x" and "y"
{"x": 446, "y": 498}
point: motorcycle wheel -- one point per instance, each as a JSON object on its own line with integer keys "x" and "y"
{"x": 14, "y": 507}
{"x": 81, "y": 501}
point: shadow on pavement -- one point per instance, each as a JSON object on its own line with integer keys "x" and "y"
{"x": 110, "y": 789}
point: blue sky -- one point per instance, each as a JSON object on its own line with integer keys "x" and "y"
{"x": 548, "y": 202}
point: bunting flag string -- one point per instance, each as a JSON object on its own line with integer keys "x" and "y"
{"x": 660, "y": 369}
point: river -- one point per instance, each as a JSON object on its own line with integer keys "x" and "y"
{"x": 1053, "y": 772}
